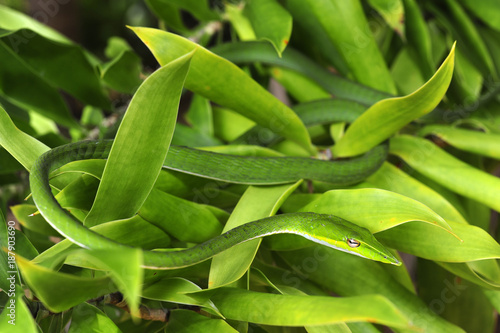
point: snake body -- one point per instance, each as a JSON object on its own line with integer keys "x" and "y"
{"x": 324, "y": 229}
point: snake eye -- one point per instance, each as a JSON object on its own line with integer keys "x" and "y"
{"x": 353, "y": 243}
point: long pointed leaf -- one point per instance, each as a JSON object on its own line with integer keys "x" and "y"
{"x": 374, "y": 209}
{"x": 224, "y": 83}
{"x": 346, "y": 25}
{"x": 299, "y": 310}
{"x": 271, "y": 22}
{"x": 61, "y": 291}
{"x": 447, "y": 170}
{"x": 23, "y": 147}
{"x": 486, "y": 144}
{"x": 390, "y": 178}
{"x": 141, "y": 145}
{"x": 388, "y": 116}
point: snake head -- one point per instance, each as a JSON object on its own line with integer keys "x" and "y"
{"x": 368, "y": 247}
{"x": 337, "y": 233}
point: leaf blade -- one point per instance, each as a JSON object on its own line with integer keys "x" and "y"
{"x": 140, "y": 146}
{"x": 222, "y": 82}
{"x": 386, "y": 117}
{"x": 271, "y": 22}
{"x": 447, "y": 170}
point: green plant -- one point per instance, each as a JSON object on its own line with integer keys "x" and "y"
{"x": 432, "y": 198}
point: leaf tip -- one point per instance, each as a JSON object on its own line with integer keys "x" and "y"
{"x": 134, "y": 29}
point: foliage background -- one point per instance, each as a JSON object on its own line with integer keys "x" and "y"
{"x": 389, "y": 48}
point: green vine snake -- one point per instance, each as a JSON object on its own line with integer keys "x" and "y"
{"x": 327, "y": 230}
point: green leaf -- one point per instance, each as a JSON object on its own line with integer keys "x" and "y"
{"x": 310, "y": 36}
{"x": 200, "y": 115}
{"x": 23, "y": 147}
{"x": 386, "y": 117}
{"x": 205, "y": 191}
{"x": 319, "y": 112}
{"x": 337, "y": 131}
{"x": 329, "y": 328}
{"x": 456, "y": 20}
{"x": 228, "y": 125}
{"x": 132, "y": 232}
{"x": 425, "y": 241}
{"x": 168, "y": 15}
{"x": 357, "y": 206}
{"x": 487, "y": 10}
{"x": 174, "y": 290}
{"x": 455, "y": 300}
{"x": 256, "y": 203}
{"x": 347, "y": 27}
{"x": 476, "y": 142}
{"x": 79, "y": 193}
{"x": 447, "y": 170}
{"x": 348, "y": 275}
{"x": 271, "y": 22}
{"x": 14, "y": 20}
{"x": 140, "y": 146}
{"x": 250, "y": 52}
{"x": 92, "y": 168}
{"x": 390, "y": 178}
{"x": 80, "y": 79}
{"x": 393, "y": 13}
{"x": 300, "y": 310}
{"x": 222, "y": 82}
{"x": 116, "y": 46}
{"x": 8, "y": 163}
{"x": 122, "y": 73}
{"x": 61, "y": 291}
{"x": 467, "y": 81}
{"x": 191, "y": 137}
{"x": 239, "y": 21}
{"x": 185, "y": 220}
{"x": 406, "y": 73}
{"x": 299, "y": 86}
{"x": 36, "y": 223}
{"x": 39, "y": 95}
{"x": 494, "y": 297}
{"x": 86, "y": 317}
{"x": 470, "y": 271}
{"x": 418, "y": 36}
{"x": 187, "y": 321}
{"x": 125, "y": 268}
